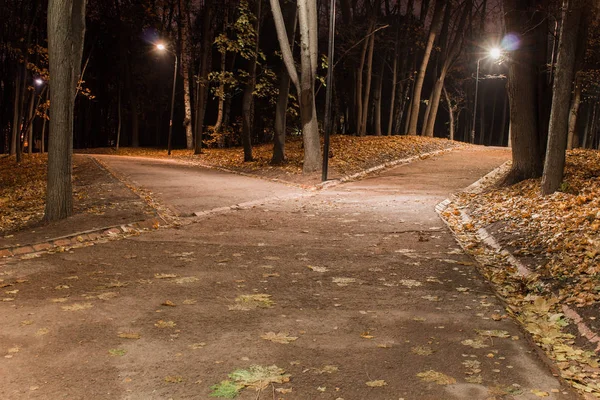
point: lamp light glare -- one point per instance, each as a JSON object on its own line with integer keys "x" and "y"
{"x": 495, "y": 53}
{"x": 39, "y": 81}
{"x": 160, "y": 46}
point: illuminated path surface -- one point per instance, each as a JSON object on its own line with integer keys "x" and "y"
{"x": 364, "y": 275}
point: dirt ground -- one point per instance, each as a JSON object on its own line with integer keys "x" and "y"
{"x": 354, "y": 292}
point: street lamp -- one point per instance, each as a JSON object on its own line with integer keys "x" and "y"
{"x": 163, "y": 47}
{"x": 495, "y": 54}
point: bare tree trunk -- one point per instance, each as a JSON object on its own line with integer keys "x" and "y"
{"x": 358, "y": 92}
{"x": 307, "y": 19}
{"x": 221, "y": 94}
{"x": 450, "y": 113}
{"x": 16, "y": 126}
{"x": 563, "y": 82}
{"x": 526, "y": 129}
{"x": 66, "y": 30}
{"x": 377, "y": 99}
{"x": 367, "y": 94}
{"x": 573, "y": 139}
{"x": 29, "y": 125}
{"x": 185, "y": 43}
{"x": 416, "y": 101}
{"x": 284, "y": 90}
{"x": 248, "y": 99}
{"x": 393, "y": 94}
{"x": 202, "y": 83}
{"x": 119, "y": 118}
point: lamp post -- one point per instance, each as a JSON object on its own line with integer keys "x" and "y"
{"x": 162, "y": 47}
{"x": 329, "y": 89}
{"x": 495, "y": 54}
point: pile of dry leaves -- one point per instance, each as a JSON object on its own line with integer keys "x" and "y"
{"x": 558, "y": 238}
{"x": 560, "y": 232}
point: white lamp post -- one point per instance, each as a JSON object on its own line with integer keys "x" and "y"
{"x": 162, "y": 47}
{"x": 495, "y": 54}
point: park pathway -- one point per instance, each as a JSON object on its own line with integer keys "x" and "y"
{"x": 354, "y": 292}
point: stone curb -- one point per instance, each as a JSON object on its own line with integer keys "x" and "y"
{"x": 80, "y": 238}
{"x": 490, "y": 241}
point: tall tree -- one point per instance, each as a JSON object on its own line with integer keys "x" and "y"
{"x": 248, "y": 98}
{"x": 204, "y": 69}
{"x": 450, "y": 53}
{"x": 290, "y": 19}
{"x": 66, "y": 32}
{"x": 554, "y": 164}
{"x": 305, "y": 81}
{"x": 185, "y": 49}
{"x": 525, "y": 87}
{"x": 436, "y": 24}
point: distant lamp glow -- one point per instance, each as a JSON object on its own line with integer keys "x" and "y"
{"x": 160, "y": 46}
{"x": 495, "y": 53}
{"x": 39, "y": 81}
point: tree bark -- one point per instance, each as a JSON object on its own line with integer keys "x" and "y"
{"x": 418, "y": 88}
{"x": 393, "y": 94}
{"x": 284, "y": 90}
{"x": 365, "y": 101}
{"x": 450, "y": 113}
{"x": 248, "y": 98}
{"x": 526, "y": 108}
{"x": 305, "y": 83}
{"x": 377, "y": 98}
{"x": 185, "y": 44}
{"x": 202, "y": 83}
{"x": 563, "y": 83}
{"x": 66, "y": 30}
{"x": 16, "y": 126}
{"x": 573, "y": 139}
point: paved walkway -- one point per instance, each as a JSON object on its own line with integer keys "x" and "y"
{"x": 382, "y": 303}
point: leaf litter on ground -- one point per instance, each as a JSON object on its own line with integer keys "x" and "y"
{"x": 557, "y": 237}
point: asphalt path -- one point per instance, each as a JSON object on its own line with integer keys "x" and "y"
{"x": 190, "y": 189}
{"x": 376, "y": 297}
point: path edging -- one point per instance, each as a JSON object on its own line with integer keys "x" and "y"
{"x": 488, "y": 239}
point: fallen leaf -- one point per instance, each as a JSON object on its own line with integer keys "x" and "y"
{"x": 280, "y": 337}
{"x": 377, "y": 383}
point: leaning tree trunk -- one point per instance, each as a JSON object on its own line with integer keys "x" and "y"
{"x": 365, "y": 105}
{"x": 418, "y": 88}
{"x": 284, "y": 90}
{"x": 450, "y": 113}
{"x": 66, "y": 30}
{"x": 563, "y": 83}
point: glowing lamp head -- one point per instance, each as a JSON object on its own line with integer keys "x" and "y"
{"x": 160, "y": 46}
{"x": 39, "y": 81}
{"x": 495, "y": 53}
